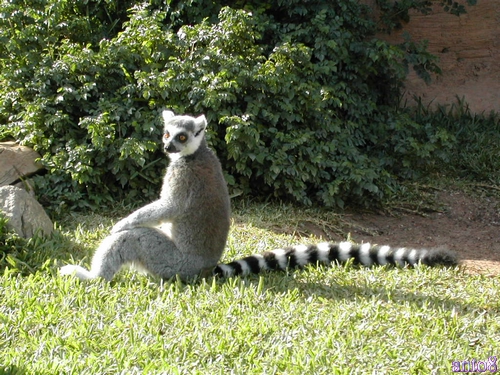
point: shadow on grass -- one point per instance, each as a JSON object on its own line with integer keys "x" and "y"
{"x": 12, "y": 370}
{"x": 346, "y": 292}
{"x": 23, "y": 256}
{"x": 64, "y": 247}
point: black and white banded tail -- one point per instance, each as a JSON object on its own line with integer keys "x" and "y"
{"x": 326, "y": 253}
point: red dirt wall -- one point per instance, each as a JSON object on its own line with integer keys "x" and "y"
{"x": 469, "y": 51}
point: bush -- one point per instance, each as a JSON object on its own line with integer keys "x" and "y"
{"x": 302, "y": 100}
{"x": 66, "y": 96}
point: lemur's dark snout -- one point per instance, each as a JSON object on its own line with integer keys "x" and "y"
{"x": 170, "y": 148}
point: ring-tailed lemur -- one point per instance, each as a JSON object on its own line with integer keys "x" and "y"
{"x": 185, "y": 231}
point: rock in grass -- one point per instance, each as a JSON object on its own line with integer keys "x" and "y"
{"x": 25, "y": 214}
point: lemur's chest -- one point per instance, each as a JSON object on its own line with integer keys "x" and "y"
{"x": 178, "y": 182}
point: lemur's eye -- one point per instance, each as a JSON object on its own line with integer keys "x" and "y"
{"x": 166, "y": 135}
{"x": 182, "y": 138}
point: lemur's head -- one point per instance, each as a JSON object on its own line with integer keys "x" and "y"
{"x": 182, "y": 134}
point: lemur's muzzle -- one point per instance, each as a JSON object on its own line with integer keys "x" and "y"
{"x": 170, "y": 148}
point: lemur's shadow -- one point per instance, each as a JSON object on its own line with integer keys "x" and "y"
{"x": 12, "y": 370}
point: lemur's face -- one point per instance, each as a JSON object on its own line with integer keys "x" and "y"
{"x": 182, "y": 134}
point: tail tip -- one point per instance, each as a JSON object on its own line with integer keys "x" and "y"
{"x": 441, "y": 257}
{"x": 77, "y": 271}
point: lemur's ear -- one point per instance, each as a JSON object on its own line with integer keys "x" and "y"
{"x": 166, "y": 114}
{"x": 201, "y": 124}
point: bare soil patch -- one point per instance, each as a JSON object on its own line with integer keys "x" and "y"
{"x": 469, "y": 226}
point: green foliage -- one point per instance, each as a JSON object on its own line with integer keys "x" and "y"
{"x": 67, "y": 95}
{"x": 9, "y": 241}
{"x": 301, "y": 98}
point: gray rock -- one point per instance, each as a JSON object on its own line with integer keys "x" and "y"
{"x": 25, "y": 214}
{"x": 17, "y": 162}
{"x": 27, "y": 185}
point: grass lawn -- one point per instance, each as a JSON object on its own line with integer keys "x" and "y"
{"x": 339, "y": 320}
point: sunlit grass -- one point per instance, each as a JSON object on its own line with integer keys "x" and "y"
{"x": 337, "y": 320}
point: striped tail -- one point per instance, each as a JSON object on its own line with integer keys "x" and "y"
{"x": 326, "y": 253}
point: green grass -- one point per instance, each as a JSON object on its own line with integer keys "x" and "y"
{"x": 339, "y": 320}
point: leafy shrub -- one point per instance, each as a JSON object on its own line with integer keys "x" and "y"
{"x": 301, "y": 98}
{"x": 66, "y": 94}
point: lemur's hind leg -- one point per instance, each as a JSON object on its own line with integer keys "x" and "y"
{"x": 149, "y": 248}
